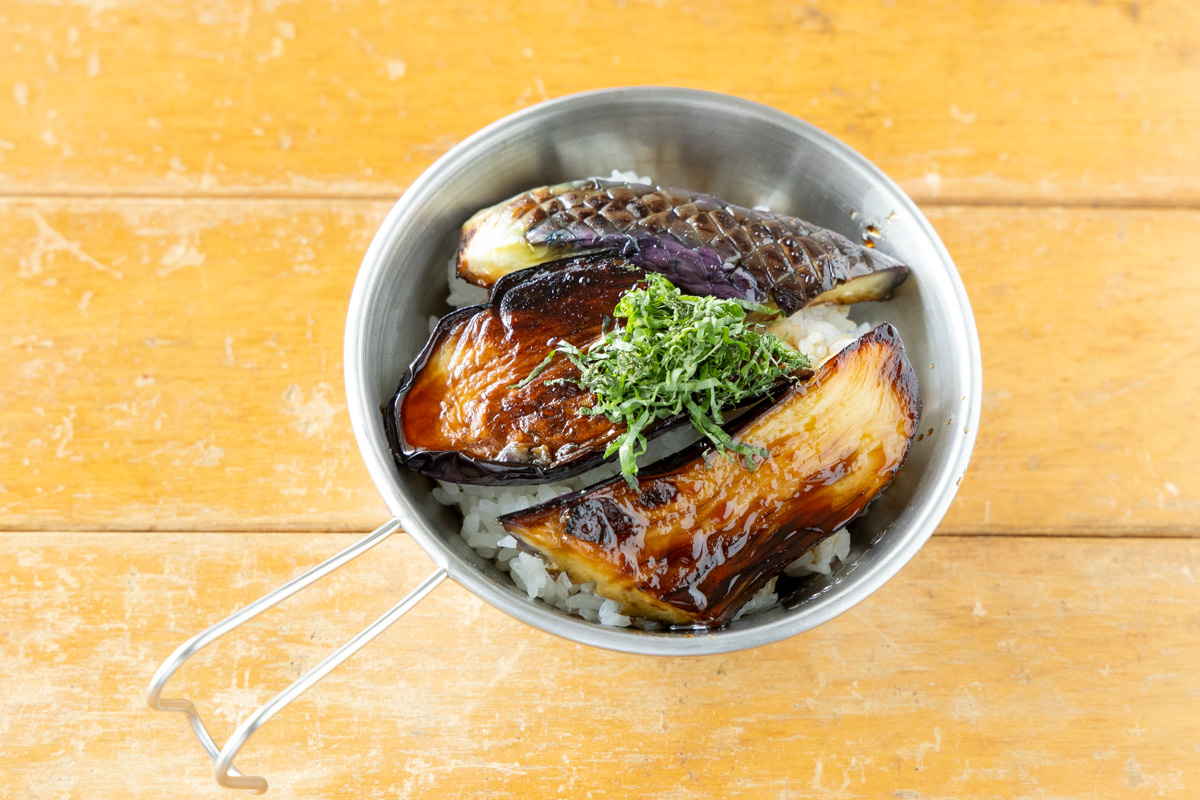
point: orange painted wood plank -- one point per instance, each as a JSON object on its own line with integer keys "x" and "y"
{"x": 1090, "y": 419}
{"x": 988, "y": 668}
{"x": 173, "y": 365}
{"x": 179, "y": 366}
{"x": 1070, "y": 100}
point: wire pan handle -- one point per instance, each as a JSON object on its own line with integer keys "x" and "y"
{"x": 223, "y": 770}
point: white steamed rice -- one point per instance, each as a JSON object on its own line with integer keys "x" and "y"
{"x": 818, "y": 332}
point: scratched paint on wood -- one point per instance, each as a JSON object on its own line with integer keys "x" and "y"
{"x": 177, "y": 361}
{"x": 1089, "y": 422}
{"x": 1062, "y": 100}
{"x": 991, "y": 667}
{"x": 171, "y": 364}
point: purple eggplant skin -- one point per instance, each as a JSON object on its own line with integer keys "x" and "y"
{"x": 700, "y": 243}
{"x": 456, "y": 415}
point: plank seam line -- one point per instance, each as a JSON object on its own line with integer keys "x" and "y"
{"x": 940, "y": 203}
{"x": 1132, "y": 534}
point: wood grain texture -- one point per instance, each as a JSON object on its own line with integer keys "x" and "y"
{"x": 173, "y": 363}
{"x": 180, "y": 366}
{"x": 989, "y": 668}
{"x": 202, "y": 388}
{"x": 1090, "y": 418}
{"x": 1079, "y": 100}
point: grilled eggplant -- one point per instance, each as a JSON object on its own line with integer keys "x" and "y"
{"x": 703, "y": 245}
{"x": 702, "y": 534}
{"x": 459, "y": 415}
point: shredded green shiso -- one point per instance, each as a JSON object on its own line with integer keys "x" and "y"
{"x": 676, "y": 353}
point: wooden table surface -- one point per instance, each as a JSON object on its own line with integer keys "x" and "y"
{"x": 186, "y": 191}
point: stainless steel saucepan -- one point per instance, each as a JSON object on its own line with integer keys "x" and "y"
{"x": 741, "y": 151}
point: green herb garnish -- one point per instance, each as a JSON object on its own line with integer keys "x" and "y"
{"x": 677, "y": 353}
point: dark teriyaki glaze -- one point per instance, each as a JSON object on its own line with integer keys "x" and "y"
{"x": 456, "y": 415}
{"x": 701, "y": 534}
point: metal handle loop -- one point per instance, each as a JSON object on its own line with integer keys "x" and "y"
{"x": 223, "y": 770}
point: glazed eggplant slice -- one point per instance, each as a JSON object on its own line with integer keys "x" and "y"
{"x": 703, "y": 245}
{"x": 459, "y": 414}
{"x": 702, "y": 534}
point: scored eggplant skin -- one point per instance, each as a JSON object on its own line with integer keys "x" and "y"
{"x": 702, "y": 244}
{"x": 456, "y": 415}
{"x": 702, "y": 534}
